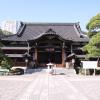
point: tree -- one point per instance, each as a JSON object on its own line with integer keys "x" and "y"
{"x": 94, "y": 24}
{"x": 93, "y": 47}
{"x": 6, "y": 32}
{"x": 5, "y": 62}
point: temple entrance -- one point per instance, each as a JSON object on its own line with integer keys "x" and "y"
{"x": 49, "y": 48}
{"x": 52, "y": 55}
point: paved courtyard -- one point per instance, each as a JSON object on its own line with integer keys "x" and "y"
{"x": 42, "y": 86}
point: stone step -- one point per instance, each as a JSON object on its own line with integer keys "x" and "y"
{"x": 65, "y": 71}
{"x": 30, "y": 71}
{"x": 59, "y": 71}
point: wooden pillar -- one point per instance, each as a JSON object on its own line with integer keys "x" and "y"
{"x": 71, "y": 48}
{"x": 63, "y": 57}
{"x": 36, "y": 56}
{"x": 63, "y": 54}
{"x": 28, "y": 47}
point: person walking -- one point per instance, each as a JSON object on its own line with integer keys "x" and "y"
{"x": 77, "y": 65}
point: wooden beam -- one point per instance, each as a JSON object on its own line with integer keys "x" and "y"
{"x": 63, "y": 57}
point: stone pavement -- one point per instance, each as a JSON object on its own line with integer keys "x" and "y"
{"x": 43, "y": 86}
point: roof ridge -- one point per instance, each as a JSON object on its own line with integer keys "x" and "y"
{"x": 32, "y": 31}
{"x": 21, "y": 29}
{"x": 48, "y": 23}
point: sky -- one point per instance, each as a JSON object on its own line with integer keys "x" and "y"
{"x": 60, "y": 11}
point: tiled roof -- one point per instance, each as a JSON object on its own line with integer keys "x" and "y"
{"x": 32, "y": 31}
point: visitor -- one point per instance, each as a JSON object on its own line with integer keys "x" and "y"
{"x": 77, "y": 65}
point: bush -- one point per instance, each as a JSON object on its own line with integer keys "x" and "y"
{"x": 6, "y": 63}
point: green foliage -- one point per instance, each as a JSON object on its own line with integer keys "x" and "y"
{"x": 95, "y": 40}
{"x": 90, "y": 34}
{"x": 1, "y": 44}
{"x": 94, "y": 23}
{"x": 1, "y": 55}
{"x": 93, "y": 47}
{"x": 0, "y": 31}
{"x": 6, "y": 32}
{"x": 5, "y": 62}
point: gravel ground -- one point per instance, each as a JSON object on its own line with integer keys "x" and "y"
{"x": 88, "y": 85}
{"x": 43, "y": 86}
{"x": 13, "y": 86}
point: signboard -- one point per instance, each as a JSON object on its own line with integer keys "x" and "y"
{"x": 89, "y": 64}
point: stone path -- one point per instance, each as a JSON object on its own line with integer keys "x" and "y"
{"x": 43, "y": 86}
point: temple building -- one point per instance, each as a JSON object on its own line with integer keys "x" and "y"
{"x": 41, "y": 43}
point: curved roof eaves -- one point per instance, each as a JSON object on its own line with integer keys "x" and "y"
{"x": 66, "y": 31}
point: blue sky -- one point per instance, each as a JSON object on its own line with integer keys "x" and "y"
{"x": 49, "y": 10}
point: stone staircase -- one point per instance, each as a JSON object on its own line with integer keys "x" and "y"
{"x": 64, "y": 71}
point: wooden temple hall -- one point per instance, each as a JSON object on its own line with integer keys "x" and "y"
{"x": 41, "y": 43}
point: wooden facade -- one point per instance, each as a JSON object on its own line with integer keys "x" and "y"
{"x": 44, "y": 43}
